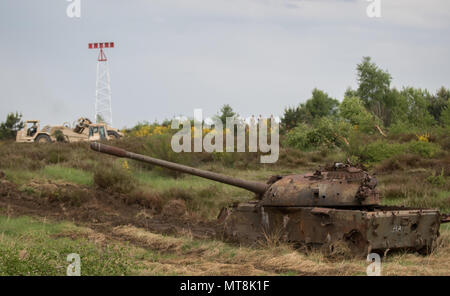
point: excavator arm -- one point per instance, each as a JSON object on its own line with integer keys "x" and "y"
{"x": 81, "y": 124}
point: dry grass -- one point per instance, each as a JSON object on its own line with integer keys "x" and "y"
{"x": 185, "y": 256}
{"x": 151, "y": 240}
{"x": 413, "y": 188}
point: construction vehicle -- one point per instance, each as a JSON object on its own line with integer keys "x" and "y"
{"x": 83, "y": 130}
{"x": 83, "y": 124}
{"x": 335, "y": 206}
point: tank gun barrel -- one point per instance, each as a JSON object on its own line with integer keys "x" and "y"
{"x": 256, "y": 187}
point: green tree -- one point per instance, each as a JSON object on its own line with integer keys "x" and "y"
{"x": 226, "y": 111}
{"x": 374, "y": 89}
{"x": 445, "y": 115}
{"x": 318, "y": 106}
{"x": 9, "y": 128}
{"x": 321, "y": 105}
{"x": 438, "y": 102}
{"x": 290, "y": 118}
{"x": 352, "y": 109}
{"x": 349, "y": 92}
{"x": 411, "y": 109}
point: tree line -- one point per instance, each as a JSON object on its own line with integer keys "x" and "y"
{"x": 374, "y": 100}
{"x": 372, "y": 107}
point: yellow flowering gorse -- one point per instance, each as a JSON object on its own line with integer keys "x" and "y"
{"x": 423, "y": 138}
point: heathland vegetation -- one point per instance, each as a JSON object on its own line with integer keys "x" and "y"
{"x": 401, "y": 135}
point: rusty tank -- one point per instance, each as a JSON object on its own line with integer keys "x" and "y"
{"x": 337, "y": 205}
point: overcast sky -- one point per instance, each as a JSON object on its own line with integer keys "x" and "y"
{"x": 172, "y": 56}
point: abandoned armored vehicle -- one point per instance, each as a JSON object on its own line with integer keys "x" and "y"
{"x": 339, "y": 204}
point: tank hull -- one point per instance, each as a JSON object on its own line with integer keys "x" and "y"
{"x": 363, "y": 231}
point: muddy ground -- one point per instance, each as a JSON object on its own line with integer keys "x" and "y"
{"x": 100, "y": 210}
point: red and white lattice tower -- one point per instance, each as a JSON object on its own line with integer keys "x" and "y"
{"x": 103, "y": 111}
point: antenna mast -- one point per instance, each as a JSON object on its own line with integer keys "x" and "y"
{"x": 103, "y": 110}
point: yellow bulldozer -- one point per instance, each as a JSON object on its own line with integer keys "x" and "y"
{"x": 83, "y": 130}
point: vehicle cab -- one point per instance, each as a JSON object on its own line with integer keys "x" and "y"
{"x": 29, "y": 131}
{"x": 98, "y": 132}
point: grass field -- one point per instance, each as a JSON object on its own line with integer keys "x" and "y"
{"x": 105, "y": 211}
{"x": 31, "y": 247}
{"x": 38, "y": 247}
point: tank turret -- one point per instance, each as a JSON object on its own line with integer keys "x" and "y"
{"x": 338, "y": 185}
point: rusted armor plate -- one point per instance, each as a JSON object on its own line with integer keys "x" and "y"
{"x": 362, "y": 230}
{"x": 309, "y": 190}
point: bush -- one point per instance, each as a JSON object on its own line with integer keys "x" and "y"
{"x": 401, "y": 128}
{"x": 291, "y": 158}
{"x": 424, "y": 149}
{"x": 149, "y": 200}
{"x": 298, "y": 137}
{"x": 34, "y": 157}
{"x": 399, "y": 162}
{"x": 325, "y": 133}
{"x": 114, "y": 179}
{"x": 158, "y": 146}
{"x": 437, "y": 180}
{"x": 55, "y": 157}
{"x": 353, "y": 110}
{"x": 380, "y": 150}
{"x": 59, "y": 135}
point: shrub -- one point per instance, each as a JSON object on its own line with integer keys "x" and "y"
{"x": 404, "y": 128}
{"x": 399, "y": 162}
{"x": 33, "y": 157}
{"x": 159, "y": 146}
{"x": 424, "y": 149}
{"x": 291, "y": 158}
{"x": 59, "y": 135}
{"x": 54, "y": 157}
{"x": 324, "y": 133}
{"x": 150, "y": 200}
{"x": 298, "y": 137}
{"x": 225, "y": 158}
{"x": 178, "y": 193}
{"x": 444, "y": 141}
{"x": 353, "y": 110}
{"x": 437, "y": 180}
{"x": 380, "y": 150}
{"x": 114, "y": 179}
